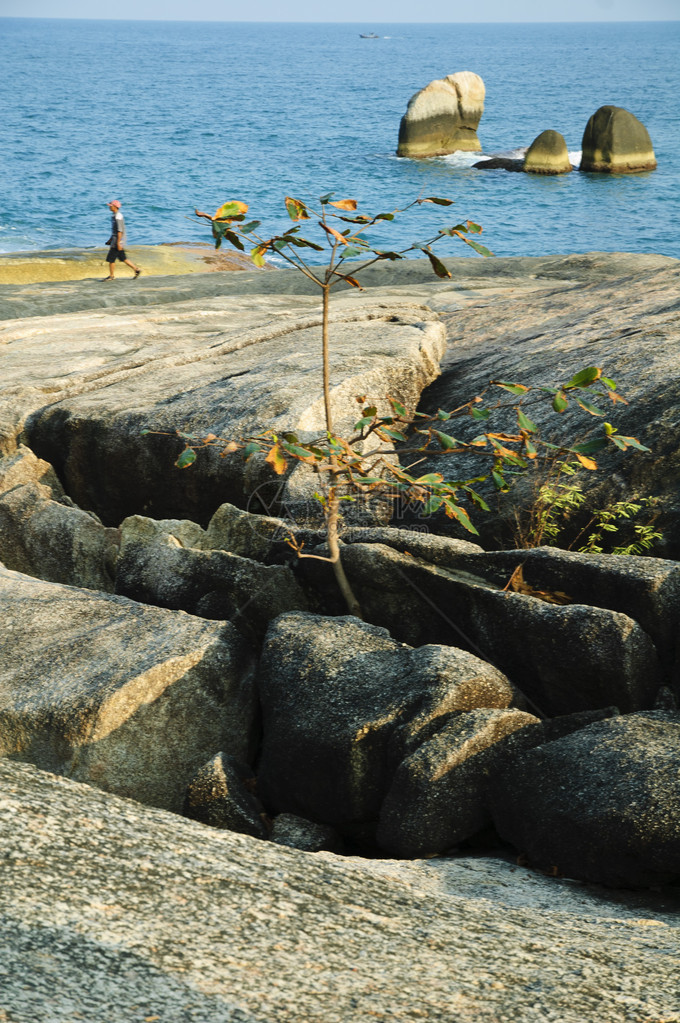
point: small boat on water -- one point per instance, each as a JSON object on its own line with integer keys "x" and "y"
{"x": 368, "y": 35}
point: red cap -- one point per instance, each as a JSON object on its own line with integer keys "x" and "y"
{"x": 114, "y": 202}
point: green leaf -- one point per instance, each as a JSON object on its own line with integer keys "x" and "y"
{"x": 513, "y": 388}
{"x": 250, "y": 226}
{"x": 588, "y": 405}
{"x": 257, "y": 254}
{"x": 394, "y": 434}
{"x": 387, "y": 255}
{"x": 480, "y": 413}
{"x": 296, "y": 209}
{"x": 250, "y": 449}
{"x": 454, "y": 511}
{"x": 560, "y": 403}
{"x": 231, "y": 210}
{"x": 498, "y": 479}
{"x": 446, "y": 441}
{"x": 585, "y": 377}
{"x": 432, "y": 504}
{"x": 441, "y": 414}
{"x": 525, "y": 423}
{"x": 431, "y": 477}
{"x": 589, "y": 447}
{"x": 365, "y": 421}
{"x": 474, "y": 228}
{"x": 351, "y": 251}
{"x": 398, "y": 407}
{"x": 188, "y": 457}
{"x": 632, "y": 442}
{"x": 304, "y": 243}
{"x": 437, "y": 265}
{"x": 609, "y": 383}
{"x": 384, "y": 216}
{"x": 323, "y": 199}
{"x": 437, "y": 201}
{"x": 234, "y": 240}
{"x": 298, "y": 452}
{"x": 481, "y": 249}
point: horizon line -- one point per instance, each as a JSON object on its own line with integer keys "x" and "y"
{"x": 272, "y": 21}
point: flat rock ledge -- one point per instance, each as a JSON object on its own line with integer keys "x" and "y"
{"x": 119, "y": 913}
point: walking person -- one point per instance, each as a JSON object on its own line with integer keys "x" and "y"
{"x": 117, "y": 241}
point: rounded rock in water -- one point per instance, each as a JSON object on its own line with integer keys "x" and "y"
{"x": 615, "y": 142}
{"x": 548, "y": 154}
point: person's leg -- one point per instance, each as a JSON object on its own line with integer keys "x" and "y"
{"x": 132, "y": 265}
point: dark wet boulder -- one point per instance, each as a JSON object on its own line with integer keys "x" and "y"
{"x": 507, "y": 163}
{"x": 615, "y": 142}
{"x": 548, "y": 154}
{"x": 298, "y": 833}
{"x": 334, "y": 693}
{"x": 443, "y": 117}
{"x": 563, "y": 658}
{"x": 222, "y": 794}
{"x": 601, "y": 804}
{"x": 437, "y": 797}
{"x": 159, "y": 564}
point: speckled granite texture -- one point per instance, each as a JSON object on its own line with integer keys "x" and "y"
{"x": 111, "y": 912}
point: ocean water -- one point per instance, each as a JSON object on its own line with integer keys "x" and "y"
{"x": 169, "y": 116}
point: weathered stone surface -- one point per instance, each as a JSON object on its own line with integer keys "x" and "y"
{"x": 112, "y": 911}
{"x": 23, "y": 467}
{"x": 132, "y": 699}
{"x": 645, "y": 589}
{"x": 615, "y": 142}
{"x": 222, "y": 794}
{"x": 232, "y": 367}
{"x": 334, "y": 691}
{"x": 564, "y": 658}
{"x": 440, "y": 792}
{"x": 438, "y": 795}
{"x": 298, "y": 833}
{"x": 628, "y": 322}
{"x": 54, "y": 540}
{"x": 158, "y": 564}
{"x": 548, "y": 154}
{"x": 443, "y": 117}
{"x": 602, "y": 804}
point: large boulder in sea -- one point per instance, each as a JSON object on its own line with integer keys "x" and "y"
{"x": 443, "y": 117}
{"x": 548, "y": 154}
{"x": 615, "y": 142}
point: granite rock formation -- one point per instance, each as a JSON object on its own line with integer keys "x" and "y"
{"x": 547, "y": 154}
{"x": 615, "y": 142}
{"x": 127, "y": 697}
{"x": 443, "y": 117}
{"x": 112, "y": 911}
{"x": 375, "y": 733}
{"x": 603, "y": 801}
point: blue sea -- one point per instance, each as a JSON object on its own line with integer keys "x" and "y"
{"x": 169, "y": 116}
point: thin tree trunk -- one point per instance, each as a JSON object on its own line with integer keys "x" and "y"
{"x": 333, "y": 507}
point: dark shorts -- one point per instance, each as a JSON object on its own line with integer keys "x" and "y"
{"x": 115, "y": 254}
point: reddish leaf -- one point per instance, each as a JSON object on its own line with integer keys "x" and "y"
{"x": 345, "y": 204}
